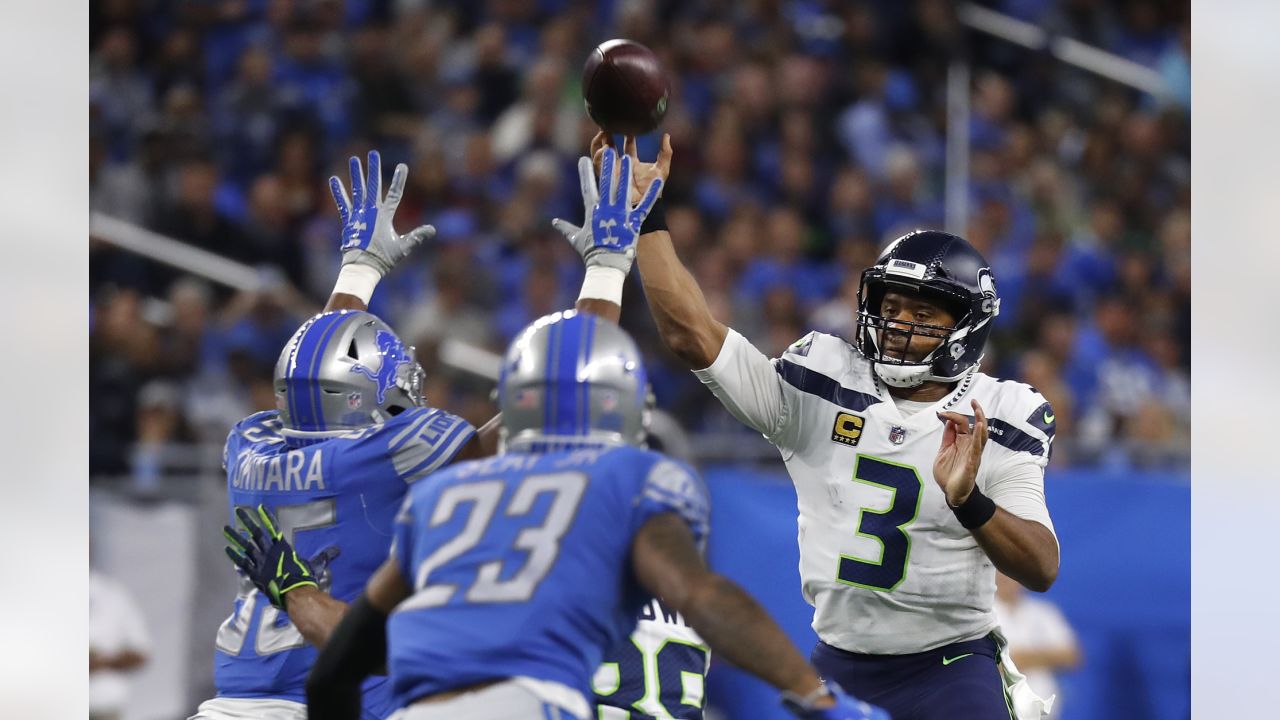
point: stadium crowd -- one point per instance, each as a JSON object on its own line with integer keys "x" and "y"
{"x": 807, "y": 133}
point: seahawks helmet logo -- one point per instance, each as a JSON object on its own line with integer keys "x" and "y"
{"x": 987, "y": 286}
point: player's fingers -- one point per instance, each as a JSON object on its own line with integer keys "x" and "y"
{"x": 980, "y": 424}
{"x": 630, "y": 148}
{"x": 664, "y": 156}
{"x": 624, "y": 181}
{"x": 598, "y": 142}
{"x": 565, "y": 228}
{"x": 235, "y": 539}
{"x": 269, "y": 522}
{"x": 340, "y": 199}
{"x": 252, "y": 527}
{"x": 373, "y": 188}
{"x": 240, "y": 561}
{"x": 357, "y": 182}
{"x": 587, "y": 182}
{"x": 421, "y": 234}
{"x": 960, "y": 421}
{"x": 606, "y": 175}
{"x": 651, "y": 195}
{"x": 396, "y": 190}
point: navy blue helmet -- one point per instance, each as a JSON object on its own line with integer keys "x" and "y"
{"x": 942, "y": 268}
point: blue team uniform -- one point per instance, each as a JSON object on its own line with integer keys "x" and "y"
{"x": 521, "y": 565}
{"x": 340, "y": 492}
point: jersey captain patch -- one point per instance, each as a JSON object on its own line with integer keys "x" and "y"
{"x": 847, "y": 429}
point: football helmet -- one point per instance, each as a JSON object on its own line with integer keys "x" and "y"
{"x": 341, "y": 371}
{"x": 940, "y": 267}
{"x": 572, "y": 379}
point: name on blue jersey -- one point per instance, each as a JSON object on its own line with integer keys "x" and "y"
{"x": 284, "y": 472}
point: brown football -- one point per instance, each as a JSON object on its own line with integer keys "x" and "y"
{"x": 624, "y": 88}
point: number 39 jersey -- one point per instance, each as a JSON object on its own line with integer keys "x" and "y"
{"x": 658, "y": 673}
{"x": 521, "y": 568}
{"x": 884, "y": 562}
{"x": 337, "y": 493}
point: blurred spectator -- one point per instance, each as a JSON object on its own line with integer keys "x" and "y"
{"x": 804, "y": 135}
{"x": 118, "y": 646}
{"x": 1041, "y": 640}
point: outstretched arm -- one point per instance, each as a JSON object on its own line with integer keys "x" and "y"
{"x": 370, "y": 245}
{"x": 678, "y": 306}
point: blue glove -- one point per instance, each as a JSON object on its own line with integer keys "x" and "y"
{"x": 368, "y": 237}
{"x": 608, "y": 236}
{"x": 846, "y": 707}
{"x": 268, "y": 559}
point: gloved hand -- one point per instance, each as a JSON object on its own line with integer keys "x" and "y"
{"x": 367, "y": 235}
{"x": 268, "y": 559}
{"x": 845, "y": 708}
{"x": 607, "y": 238}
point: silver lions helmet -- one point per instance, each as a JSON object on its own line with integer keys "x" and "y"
{"x": 341, "y": 371}
{"x": 571, "y": 379}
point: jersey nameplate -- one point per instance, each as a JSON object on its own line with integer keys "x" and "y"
{"x": 847, "y": 429}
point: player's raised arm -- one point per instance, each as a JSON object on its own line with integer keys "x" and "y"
{"x": 370, "y": 245}
{"x": 668, "y": 564}
{"x": 615, "y": 212}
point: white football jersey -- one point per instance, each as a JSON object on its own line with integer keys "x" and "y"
{"x": 884, "y": 562}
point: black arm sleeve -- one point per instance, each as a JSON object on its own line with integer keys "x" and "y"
{"x": 356, "y": 649}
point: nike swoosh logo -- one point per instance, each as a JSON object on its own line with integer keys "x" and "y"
{"x": 1048, "y": 418}
{"x": 948, "y": 661}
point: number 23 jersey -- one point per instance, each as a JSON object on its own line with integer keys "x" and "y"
{"x": 884, "y": 562}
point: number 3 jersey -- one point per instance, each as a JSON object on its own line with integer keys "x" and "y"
{"x": 884, "y": 562}
{"x": 521, "y": 568}
{"x": 339, "y": 493}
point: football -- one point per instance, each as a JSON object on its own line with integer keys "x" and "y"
{"x": 624, "y": 88}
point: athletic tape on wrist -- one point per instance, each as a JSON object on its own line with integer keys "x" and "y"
{"x": 975, "y": 511}
{"x": 359, "y": 280}
{"x": 603, "y": 283}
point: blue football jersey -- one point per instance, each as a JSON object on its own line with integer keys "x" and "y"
{"x": 338, "y": 492}
{"x": 521, "y": 565}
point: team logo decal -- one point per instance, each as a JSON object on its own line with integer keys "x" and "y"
{"x": 393, "y": 356}
{"x": 897, "y": 434}
{"x": 987, "y": 284}
{"x": 847, "y": 429}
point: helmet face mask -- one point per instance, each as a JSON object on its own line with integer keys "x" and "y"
{"x": 573, "y": 380}
{"x": 939, "y": 269}
{"x": 343, "y": 371}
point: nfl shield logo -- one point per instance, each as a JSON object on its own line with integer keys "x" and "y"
{"x": 526, "y": 399}
{"x": 897, "y": 434}
{"x": 609, "y": 401}
{"x": 354, "y": 401}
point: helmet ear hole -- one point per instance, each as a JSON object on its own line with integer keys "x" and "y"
{"x": 394, "y": 410}
{"x": 351, "y": 350}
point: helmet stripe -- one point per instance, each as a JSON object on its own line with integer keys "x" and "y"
{"x": 304, "y": 392}
{"x": 584, "y": 379}
{"x": 549, "y": 385}
{"x": 566, "y": 371}
{"x": 315, "y": 368}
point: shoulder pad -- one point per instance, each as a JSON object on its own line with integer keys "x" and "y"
{"x": 818, "y": 351}
{"x": 1018, "y": 416}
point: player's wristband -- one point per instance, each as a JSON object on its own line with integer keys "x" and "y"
{"x": 975, "y": 511}
{"x": 656, "y": 220}
{"x": 603, "y": 283}
{"x": 357, "y": 279}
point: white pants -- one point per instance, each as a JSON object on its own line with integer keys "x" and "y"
{"x": 504, "y": 701}
{"x": 250, "y": 709}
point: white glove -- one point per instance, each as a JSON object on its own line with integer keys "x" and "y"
{"x": 367, "y": 235}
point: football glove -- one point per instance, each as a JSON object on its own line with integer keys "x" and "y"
{"x": 269, "y": 560}
{"x": 846, "y": 707}
{"x": 367, "y": 235}
{"x": 608, "y": 235}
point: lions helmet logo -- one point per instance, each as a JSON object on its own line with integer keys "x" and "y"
{"x": 393, "y": 356}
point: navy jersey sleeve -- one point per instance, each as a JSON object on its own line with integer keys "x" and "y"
{"x": 671, "y": 486}
{"x": 416, "y": 442}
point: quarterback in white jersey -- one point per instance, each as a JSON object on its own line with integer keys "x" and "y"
{"x": 905, "y": 509}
